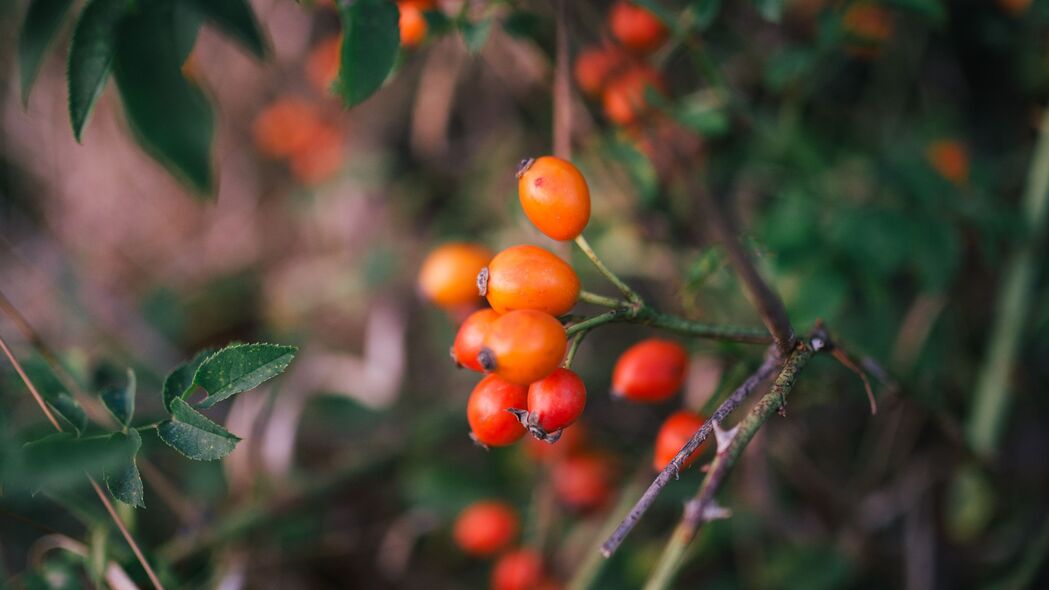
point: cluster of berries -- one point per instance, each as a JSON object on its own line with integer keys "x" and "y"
{"x": 487, "y": 528}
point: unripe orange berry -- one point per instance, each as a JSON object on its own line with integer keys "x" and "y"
{"x": 523, "y": 346}
{"x": 529, "y": 277}
{"x": 624, "y": 99}
{"x": 583, "y": 482}
{"x": 594, "y": 67}
{"x": 521, "y": 569}
{"x": 470, "y": 338}
{"x": 413, "y": 22}
{"x": 676, "y": 430}
{"x": 322, "y": 65}
{"x": 486, "y": 411}
{"x": 448, "y": 276}
{"x": 650, "y": 371}
{"x": 286, "y": 127}
{"x": 554, "y": 196}
{"x": 485, "y": 527}
{"x": 635, "y": 27}
{"x": 950, "y": 158}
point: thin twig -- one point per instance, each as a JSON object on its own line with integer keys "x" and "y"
{"x": 625, "y": 289}
{"x": 602, "y": 300}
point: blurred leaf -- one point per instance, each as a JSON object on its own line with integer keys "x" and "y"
{"x": 703, "y": 112}
{"x": 809, "y": 567}
{"x": 120, "y": 401}
{"x": 42, "y": 21}
{"x": 91, "y": 57}
{"x": 970, "y": 504}
{"x": 237, "y": 19}
{"x": 437, "y": 22}
{"x": 97, "y": 560}
{"x": 54, "y": 393}
{"x": 709, "y": 261}
{"x": 179, "y": 381}
{"x": 370, "y": 40}
{"x": 787, "y": 67}
{"x": 171, "y": 118}
{"x": 61, "y": 459}
{"x": 770, "y": 10}
{"x": 58, "y": 572}
{"x": 239, "y": 368}
{"x": 123, "y": 480}
{"x": 523, "y": 24}
{"x": 475, "y": 33}
{"x": 706, "y": 12}
{"x": 192, "y": 434}
{"x": 931, "y": 10}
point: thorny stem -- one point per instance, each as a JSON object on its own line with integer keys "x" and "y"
{"x": 625, "y": 289}
{"x": 98, "y": 490}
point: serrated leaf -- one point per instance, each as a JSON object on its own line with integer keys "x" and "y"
{"x": 42, "y": 21}
{"x": 235, "y": 18}
{"x": 239, "y": 368}
{"x": 91, "y": 57}
{"x": 475, "y": 33}
{"x": 180, "y": 380}
{"x": 170, "y": 118}
{"x": 120, "y": 400}
{"x": 123, "y": 480}
{"x": 192, "y": 434}
{"x": 370, "y": 40}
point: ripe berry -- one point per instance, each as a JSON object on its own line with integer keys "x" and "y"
{"x": 650, "y": 371}
{"x": 490, "y": 423}
{"x": 470, "y": 337}
{"x": 583, "y": 482}
{"x": 413, "y": 23}
{"x": 521, "y": 569}
{"x": 322, "y": 65}
{"x": 485, "y": 527}
{"x": 448, "y": 275}
{"x": 554, "y": 196}
{"x": 529, "y": 277}
{"x": 673, "y": 434}
{"x": 594, "y": 66}
{"x": 286, "y": 127}
{"x": 868, "y": 26}
{"x": 523, "y": 346}
{"x": 321, "y": 158}
{"x": 635, "y": 27}
{"x": 624, "y": 99}
{"x": 554, "y": 403}
{"x": 950, "y": 158}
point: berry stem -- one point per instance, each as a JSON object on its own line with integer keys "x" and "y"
{"x": 594, "y": 298}
{"x": 625, "y": 289}
{"x": 573, "y": 347}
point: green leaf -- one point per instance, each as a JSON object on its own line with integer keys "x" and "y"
{"x": 370, "y": 40}
{"x": 193, "y": 435}
{"x": 705, "y": 12}
{"x": 42, "y": 21}
{"x": 55, "y": 393}
{"x": 705, "y": 113}
{"x": 60, "y": 460}
{"x": 770, "y": 10}
{"x": 523, "y": 24}
{"x": 91, "y": 57}
{"x": 475, "y": 33}
{"x": 97, "y": 559}
{"x": 180, "y": 380}
{"x": 239, "y": 368}
{"x": 931, "y": 10}
{"x": 123, "y": 480}
{"x": 235, "y": 18}
{"x": 171, "y": 118}
{"x": 120, "y": 401}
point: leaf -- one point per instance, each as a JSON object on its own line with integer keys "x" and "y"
{"x": 370, "y": 40}
{"x": 192, "y": 434}
{"x": 171, "y": 119}
{"x": 120, "y": 401}
{"x": 475, "y": 33}
{"x": 60, "y": 460}
{"x": 180, "y": 380}
{"x": 239, "y": 368}
{"x": 91, "y": 57}
{"x": 770, "y": 10}
{"x": 235, "y": 18}
{"x": 123, "y": 480}
{"x": 705, "y": 113}
{"x": 705, "y": 12}
{"x": 42, "y": 21}
{"x": 55, "y": 394}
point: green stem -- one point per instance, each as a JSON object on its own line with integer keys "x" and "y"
{"x": 594, "y": 298}
{"x": 625, "y": 289}
{"x": 701, "y": 330}
{"x": 573, "y": 347}
{"x": 595, "y": 321}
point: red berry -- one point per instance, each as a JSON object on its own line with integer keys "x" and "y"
{"x": 470, "y": 337}
{"x": 485, "y": 527}
{"x": 490, "y": 423}
{"x": 673, "y": 434}
{"x": 583, "y": 482}
{"x": 554, "y": 403}
{"x": 521, "y": 569}
{"x": 523, "y": 346}
{"x": 635, "y": 27}
{"x": 650, "y": 371}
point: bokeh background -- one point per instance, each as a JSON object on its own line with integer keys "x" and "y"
{"x": 880, "y": 190}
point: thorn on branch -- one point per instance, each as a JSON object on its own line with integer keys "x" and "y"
{"x": 724, "y": 437}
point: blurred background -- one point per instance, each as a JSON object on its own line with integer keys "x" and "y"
{"x": 879, "y": 158}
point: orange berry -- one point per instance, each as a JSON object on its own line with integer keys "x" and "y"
{"x": 523, "y": 346}
{"x": 321, "y": 158}
{"x": 950, "y": 158}
{"x": 868, "y": 27}
{"x": 529, "y": 277}
{"x": 470, "y": 337}
{"x": 554, "y": 196}
{"x": 412, "y": 23}
{"x": 322, "y": 65}
{"x": 448, "y": 276}
{"x": 490, "y": 423}
{"x": 521, "y": 569}
{"x": 650, "y": 371}
{"x": 676, "y": 430}
{"x": 286, "y": 127}
{"x": 595, "y": 65}
{"x": 485, "y": 527}
{"x": 636, "y": 27}
{"x": 583, "y": 482}
{"x": 624, "y": 99}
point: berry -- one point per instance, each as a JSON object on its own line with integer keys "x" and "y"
{"x": 529, "y": 277}
{"x": 950, "y": 158}
{"x": 321, "y": 159}
{"x": 521, "y": 569}
{"x": 448, "y": 275}
{"x": 554, "y": 403}
{"x": 583, "y": 482}
{"x": 650, "y": 371}
{"x": 624, "y": 98}
{"x": 554, "y": 196}
{"x": 485, "y": 527}
{"x": 868, "y": 27}
{"x": 490, "y": 423}
{"x": 635, "y": 27}
{"x": 594, "y": 66}
{"x": 413, "y": 23}
{"x": 523, "y": 346}
{"x": 322, "y": 65}
{"x": 470, "y": 337}
{"x": 286, "y": 127}
{"x": 673, "y": 434}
